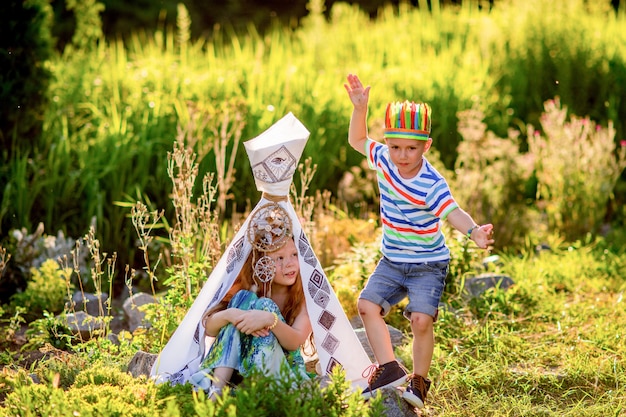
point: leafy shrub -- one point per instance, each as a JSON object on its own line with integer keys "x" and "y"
{"x": 128, "y": 397}
{"x": 260, "y": 395}
{"x": 49, "y": 330}
{"x": 105, "y": 391}
{"x": 490, "y": 180}
{"x": 46, "y": 291}
{"x": 577, "y": 167}
{"x": 59, "y": 366}
{"x": 96, "y": 375}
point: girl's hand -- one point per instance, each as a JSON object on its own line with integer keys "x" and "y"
{"x": 358, "y": 95}
{"x": 215, "y": 321}
{"x": 255, "y": 322}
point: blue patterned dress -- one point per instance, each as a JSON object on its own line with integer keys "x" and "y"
{"x": 242, "y": 352}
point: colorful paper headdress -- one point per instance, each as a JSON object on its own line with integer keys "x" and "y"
{"x": 407, "y": 120}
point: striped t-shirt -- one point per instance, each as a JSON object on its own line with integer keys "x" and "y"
{"x": 411, "y": 209}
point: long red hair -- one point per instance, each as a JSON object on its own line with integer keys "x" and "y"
{"x": 245, "y": 281}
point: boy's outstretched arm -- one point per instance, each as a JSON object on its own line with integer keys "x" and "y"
{"x": 463, "y": 222}
{"x": 357, "y": 134}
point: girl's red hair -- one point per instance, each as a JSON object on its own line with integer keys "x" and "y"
{"x": 245, "y": 281}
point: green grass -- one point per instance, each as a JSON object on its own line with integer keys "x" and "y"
{"x": 550, "y": 345}
{"x": 559, "y": 351}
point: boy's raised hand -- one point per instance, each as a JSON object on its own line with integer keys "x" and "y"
{"x": 358, "y": 95}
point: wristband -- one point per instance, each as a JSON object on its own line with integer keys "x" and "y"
{"x": 470, "y": 230}
{"x": 275, "y": 322}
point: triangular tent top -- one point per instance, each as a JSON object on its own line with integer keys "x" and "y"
{"x": 274, "y": 156}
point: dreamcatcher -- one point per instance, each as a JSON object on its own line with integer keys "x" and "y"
{"x": 268, "y": 231}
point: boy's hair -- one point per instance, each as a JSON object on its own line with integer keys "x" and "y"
{"x": 407, "y": 120}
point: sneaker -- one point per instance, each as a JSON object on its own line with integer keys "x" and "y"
{"x": 415, "y": 393}
{"x": 388, "y": 375}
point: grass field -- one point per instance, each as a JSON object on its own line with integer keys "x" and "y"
{"x": 550, "y": 345}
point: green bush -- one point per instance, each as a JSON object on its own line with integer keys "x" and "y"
{"x": 135, "y": 397}
{"x": 577, "y": 167}
{"x": 47, "y": 290}
{"x": 490, "y": 180}
{"x": 108, "y": 392}
{"x": 26, "y": 52}
{"x": 550, "y": 49}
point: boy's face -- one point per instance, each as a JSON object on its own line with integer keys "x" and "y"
{"x": 406, "y": 154}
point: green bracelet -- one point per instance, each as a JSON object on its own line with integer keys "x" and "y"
{"x": 470, "y": 230}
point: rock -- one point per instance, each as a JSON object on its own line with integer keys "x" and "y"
{"x": 394, "y": 405}
{"x": 477, "y": 285}
{"x": 85, "y": 325}
{"x": 542, "y": 247}
{"x": 397, "y": 339}
{"x": 141, "y": 364}
{"x": 113, "y": 338}
{"x": 356, "y": 322}
{"x": 117, "y": 323}
{"x": 134, "y": 316}
{"x": 90, "y": 303}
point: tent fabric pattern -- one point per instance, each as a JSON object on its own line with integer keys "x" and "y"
{"x": 274, "y": 156}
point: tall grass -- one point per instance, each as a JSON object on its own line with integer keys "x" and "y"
{"x": 116, "y": 106}
{"x": 558, "y": 48}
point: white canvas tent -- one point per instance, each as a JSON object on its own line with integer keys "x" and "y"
{"x": 274, "y": 156}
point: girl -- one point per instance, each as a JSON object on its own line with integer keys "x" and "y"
{"x": 261, "y": 323}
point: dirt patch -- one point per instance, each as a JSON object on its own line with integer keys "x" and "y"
{"x": 14, "y": 344}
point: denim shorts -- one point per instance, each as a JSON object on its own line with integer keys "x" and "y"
{"x": 392, "y": 281}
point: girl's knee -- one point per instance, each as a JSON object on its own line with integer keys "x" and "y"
{"x": 242, "y": 298}
{"x": 266, "y": 304}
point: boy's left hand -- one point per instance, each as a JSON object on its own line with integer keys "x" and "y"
{"x": 483, "y": 236}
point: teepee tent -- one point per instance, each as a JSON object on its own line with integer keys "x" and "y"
{"x": 274, "y": 156}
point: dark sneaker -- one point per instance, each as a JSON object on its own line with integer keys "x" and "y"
{"x": 417, "y": 390}
{"x": 388, "y": 375}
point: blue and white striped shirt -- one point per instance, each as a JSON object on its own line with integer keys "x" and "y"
{"x": 411, "y": 210}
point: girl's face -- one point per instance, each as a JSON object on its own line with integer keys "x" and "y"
{"x": 287, "y": 264}
{"x": 406, "y": 155}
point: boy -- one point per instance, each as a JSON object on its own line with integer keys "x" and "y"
{"x": 414, "y": 198}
